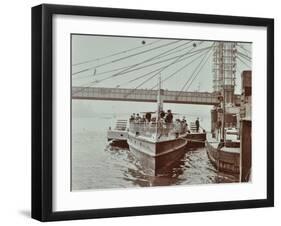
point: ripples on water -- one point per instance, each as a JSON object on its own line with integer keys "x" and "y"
{"x": 97, "y": 165}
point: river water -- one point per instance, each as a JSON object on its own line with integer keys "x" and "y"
{"x": 97, "y": 165}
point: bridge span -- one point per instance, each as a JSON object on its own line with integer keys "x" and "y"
{"x": 146, "y": 95}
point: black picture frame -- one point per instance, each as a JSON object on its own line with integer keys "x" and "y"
{"x": 42, "y": 107}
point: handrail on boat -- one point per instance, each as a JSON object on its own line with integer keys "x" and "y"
{"x": 149, "y": 129}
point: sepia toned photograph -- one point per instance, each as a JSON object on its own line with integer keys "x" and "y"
{"x": 139, "y": 112}
{"x": 149, "y": 111}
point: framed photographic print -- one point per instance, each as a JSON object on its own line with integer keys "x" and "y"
{"x": 145, "y": 112}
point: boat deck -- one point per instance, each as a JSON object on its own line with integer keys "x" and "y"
{"x": 214, "y": 142}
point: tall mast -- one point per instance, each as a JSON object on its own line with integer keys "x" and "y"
{"x": 159, "y": 98}
{"x": 159, "y": 104}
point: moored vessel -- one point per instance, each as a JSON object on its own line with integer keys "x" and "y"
{"x": 158, "y": 140}
{"x": 223, "y": 145}
{"x": 118, "y": 135}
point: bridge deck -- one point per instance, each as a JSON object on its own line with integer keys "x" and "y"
{"x": 144, "y": 95}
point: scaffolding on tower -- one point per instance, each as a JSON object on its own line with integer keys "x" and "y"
{"x": 224, "y": 69}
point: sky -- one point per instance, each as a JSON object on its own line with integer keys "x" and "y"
{"x": 89, "y": 62}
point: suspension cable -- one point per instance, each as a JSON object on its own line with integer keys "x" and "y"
{"x": 125, "y": 57}
{"x": 248, "y": 59}
{"x": 115, "y": 54}
{"x": 242, "y": 61}
{"x": 175, "y": 61}
{"x": 200, "y": 69}
{"x": 179, "y": 59}
{"x": 165, "y": 60}
{"x": 162, "y": 55}
{"x": 192, "y": 74}
{"x": 149, "y": 59}
{"x": 180, "y": 69}
{"x": 142, "y": 76}
{"x": 115, "y": 75}
{"x": 242, "y": 47}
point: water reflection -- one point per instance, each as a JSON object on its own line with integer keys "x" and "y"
{"x": 193, "y": 168}
{"x": 97, "y": 165}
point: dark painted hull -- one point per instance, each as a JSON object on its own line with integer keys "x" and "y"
{"x": 158, "y": 156}
{"x": 118, "y": 143}
{"x": 223, "y": 161}
{"x": 155, "y": 165}
{"x": 196, "y": 140}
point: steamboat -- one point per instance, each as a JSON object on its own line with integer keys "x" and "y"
{"x": 156, "y": 139}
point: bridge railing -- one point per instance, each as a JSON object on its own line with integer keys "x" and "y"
{"x": 147, "y": 95}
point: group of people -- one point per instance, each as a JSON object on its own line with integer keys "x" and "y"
{"x": 181, "y": 126}
{"x": 165, "y": 122}
{"x": 147, "y": 117}
{"x": 136, "y": 118}
{"x": 166, "y": 117}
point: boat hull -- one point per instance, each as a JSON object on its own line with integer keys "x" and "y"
{"x": 196, "y": 140}
{"x": 118, "y": 143}
{"x": 223, "y": 160}
{"x": 157, "y": 156}
{"x": 161, "y": 155}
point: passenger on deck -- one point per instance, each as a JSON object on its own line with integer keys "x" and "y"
{"x": 184, "y": 126}
{"x": 197, "y": 124}
{"x": 178, "y": 127}
{"x": 218, "y": 129}
{"x": 169, "y": 120}
{"x": 148, "y": 116}
{"x": 143, "y": 120}
{"x": 183, "y": 119}
{"x": 138, "y": 118}
{"x": 162, "y": 114}
{"x": 169, "y": 117}
{"x": 132, "y": 118}
{"x": 161, "y": 127}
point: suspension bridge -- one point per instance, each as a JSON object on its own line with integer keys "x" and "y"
{"x": 131, "y": 74}
{"x": 144, "y": 95}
